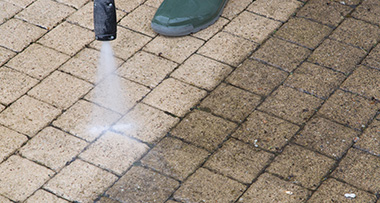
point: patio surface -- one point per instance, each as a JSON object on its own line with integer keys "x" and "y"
{"x": 277, "y": 102}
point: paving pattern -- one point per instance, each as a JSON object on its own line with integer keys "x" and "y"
{"x": 278, "y": 101}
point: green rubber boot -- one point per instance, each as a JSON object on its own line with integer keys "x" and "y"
{"x": 183, "y": 17}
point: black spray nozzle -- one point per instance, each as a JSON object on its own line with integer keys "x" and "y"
{"x": 105, "y": 20}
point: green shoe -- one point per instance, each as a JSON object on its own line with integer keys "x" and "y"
{"x": 182, "y": 17}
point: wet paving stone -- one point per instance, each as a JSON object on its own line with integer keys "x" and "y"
{"x": 257, "y": 77}
{"x": 373, "y": 58}
{"x": 369, "y": 11}
{"x": 10, "y": 141}
{"x": 107, "y": 200}
{"x": 349, "y": 109}
{"x": 265, "y": 131}
{"x": 175, "y": 158}
{"x": 230, "y": 102}
{"x": 142, "y": 185}
{"x": 276, "y": 190}
{"x": 327, "y": 137}
{"x": 301, "y": 166}
{"x": 207, "y": 186}
{"x": 238, "y": 160}
{"x": 370, "y": 139}
{"x": 360, "y": 169}
{"x": 281, "y": 54}
{"x": 203, "y": 129}
{"x": 276, "y": 9}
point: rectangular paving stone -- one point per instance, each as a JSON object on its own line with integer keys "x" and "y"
{"x": 28, "y": 115}
{"x": 252, "y": 26}
{"x": 203, "y": 129}
{"x": 327, "y": 137}
{"x": 349, "y": 109}
{"x": 360, "y": 169}
{"x": 80, "y": 182}
{"x": 369, "y": 11}
{"x": 207, "y": 186}
{"x": 43, "y": 196}
{"x": 37, "y": 61}
{"x": 53, "y": 148}
{"x": 14, "y": 41}
{"x": 315, "y": 80}
{"x": 146, "y": 69}
{"x": 227, "y": 48}
{"x": 373, "y": 58}
{"x": 234, "y": 7}
{"x": 10, "y": 141}
{"x": 303, "y": 32}
{"x": 238, "y": 160}
{"x": 230, "y": 102}
{"x": 338, "y": 56}
{"x": 202, "y": 72}
{"x": 45, "y": 13}
{"x": 114, "y": 152}
{"x": 175, "y": 158}
{"x": 128, "y": 6}
{"x": 301, "y": 166}
{"x": 291, "y": 105}
{"x": 335, "y": 191}
{"x": 281, "y": 54}
{"x": 265, "y": 131}
{"x": 107, "y": 200}
{"x": 206, "y": 34}
{"x": 174, "y": 96}
{"x": 139, "y": 20}
{"x": 21, "y": 177}
{"x": 325, "y": 11}
{"x": 364, "y": 81}
{"x": 5, "y": 55}
{"x": 257, "y": 77}
{"x": 357, "y": 33}
{"x": 276, "y": 9}
{"x": 137, "y": 186}
{"x": 13, "y": 84}
{"x": 370, "y": 139}
{"x": 5, "y": 200}
{"x": 269, "y": 188}
{"x": 74, "y": 3}
{"x": 8, "y": 10}
{"x": 21, "y": 3}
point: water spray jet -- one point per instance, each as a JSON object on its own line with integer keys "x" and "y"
{"x": 105, "y": 20}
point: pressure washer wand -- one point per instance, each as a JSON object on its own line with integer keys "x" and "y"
{"x": 105, "y": 20}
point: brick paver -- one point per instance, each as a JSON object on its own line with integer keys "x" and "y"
{"x": 278, "y": 101}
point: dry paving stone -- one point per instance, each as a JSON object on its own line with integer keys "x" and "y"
{"x": 60, "y": 89}
{"x": 369, "y": 11}
{"x": 373, "y": 58}
{"x": 203, "y": 129}
{"x": 206, "y": 34}
{"x": 5, "y": 55}
{"x": 206, "y": 186}
{"x": 5, "y": 200}
{"x": 142, "y": 185}
{"x": 265, "y": 131}
{"x": 128, "y": 6}
{"x": 269, "y": 188}
{"x": 315, "y": 80}
{"x": 53, "y": 148}
{"x": 349, "y": 109}
{"x": 80, "y": 182}
{"x": 360, "y": 169}
{"x": 291, "y": 105}
{"x": 37, "y": 61}
{"x": 43, "y": 196}
{"x": 357, "y": 33}
{"x": 235, "y": 7}
{"x": 45, "y": 13}
{"x": 243, "y": 24}
{"x": 21, "y": 3}
{"x": 334, "y": 191}
{"x": 10, "y": 141}
{"x": 238, "y": 160}
{"x": 73, "y": 3}
{"x": 146, "y": 123}
{"x": 21, "y": 177}
{"x": 301, "y": 166}
{"x": 281, "y": 54}
{"x": 175, "y": 158}
{"x": 327, "y": 137}
{"x": 107, "y": 200}
{"x": 174, "y": 96}
{"x": 338, "y": 56}
{"x": 28, "y": 115}
{"x": 139, "y": 20}
{"x": 364, "y": 81}
{"x": 303, "y": 32}
{"x": 8, "y": 10}
{"x": 325, "y": 11}
{"x": 227, "y": 48}
{"x": 370, "y": 140}
{"x": 14, "y": 41}
{"x": 13, "y": 84}
{"x": 114, "y": 152}
{"x": 230, "y": 102}
{"x": 202, "y": 72}
{"x": 276, "y": 9}
{"x": 257, "y": 77}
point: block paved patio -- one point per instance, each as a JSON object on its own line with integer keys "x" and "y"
{"x": 278, "y": 101}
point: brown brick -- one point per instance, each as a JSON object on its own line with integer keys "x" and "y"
{"x": 370, "y": 139}
{"x": 369, "y": 11}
